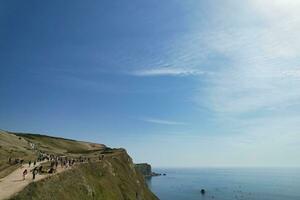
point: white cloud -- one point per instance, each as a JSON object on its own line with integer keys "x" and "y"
{"x": 163, "y": 122}
{"x": 167, "y": 71}
{"x": 264, "y": 59}
{"x": 255, "y": 91}
{"x": 277, "y": 9}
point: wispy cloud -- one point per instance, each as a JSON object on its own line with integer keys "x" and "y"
{"x": 263, "y": 68}
{"x": 163, "y": 122}
{"x": 167, "y": 71}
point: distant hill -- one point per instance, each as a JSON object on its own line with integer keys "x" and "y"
{"x": 113, "y": 178}
{"x": 60, "y": 145}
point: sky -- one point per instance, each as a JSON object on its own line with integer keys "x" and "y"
{"x": 177, "y": 83}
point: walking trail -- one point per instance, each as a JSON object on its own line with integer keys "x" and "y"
{"x": 14, "y": 183}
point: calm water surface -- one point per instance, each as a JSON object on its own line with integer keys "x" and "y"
{"x": 227, "y": 184}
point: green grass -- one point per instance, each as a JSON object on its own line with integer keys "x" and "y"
{"x": 112, "y": 179}
{"x": 59, "y": 145}
{"x": 115, "y": 178}
{"x": 15, "y": 147}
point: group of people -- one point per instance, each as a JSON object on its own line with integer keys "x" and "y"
{"x": 55, "y": 161}
{"x": 14, "y": 161}
{"x": 36, "y": 170}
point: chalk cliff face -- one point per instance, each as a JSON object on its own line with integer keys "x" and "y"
{"x": 144, "y": 169}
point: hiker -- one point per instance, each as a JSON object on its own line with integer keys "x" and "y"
{"x": 51, "y": 170}
{"x": 40, "y": 169}
{"x": 34, "y": 173}
{"x": 52, "y": 164}
{"x": 17, "y": 160}
{"x": 9, "y": 160}
{"x": 29, "y": 163}
{"x": 24, "y": 174}
{"x": 34, "y": 163}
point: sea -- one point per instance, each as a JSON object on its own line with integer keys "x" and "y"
{"x": 227, "y": 184}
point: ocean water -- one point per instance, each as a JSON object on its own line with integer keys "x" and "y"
{"x": 227, "y": 184}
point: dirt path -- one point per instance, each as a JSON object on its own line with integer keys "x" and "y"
{"x": 14, "y": 183}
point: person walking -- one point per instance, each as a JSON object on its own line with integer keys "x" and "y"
{"x": 24, "y": 174}
{"x": 29, "y": 163}
{"x": 34, "y": 173}
{"x": 40, "y": 169}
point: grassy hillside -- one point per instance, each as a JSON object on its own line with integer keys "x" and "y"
{"x": 113, "y": 178}
{"x": 59, "y": 145}
{"x": 15, "y": 147}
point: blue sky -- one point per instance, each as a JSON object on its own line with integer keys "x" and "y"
{"x": 177, "y": 83}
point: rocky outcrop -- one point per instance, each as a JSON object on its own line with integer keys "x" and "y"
{"x": 145, "y": 169}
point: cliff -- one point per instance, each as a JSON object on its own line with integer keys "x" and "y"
{"x": 144, "y": 169}
{"x": 113, "y": 178}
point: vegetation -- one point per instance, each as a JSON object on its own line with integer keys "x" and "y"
{"x": 113, "y": 178}
{"x": 58, "y": 145}
{"x": 15, "y": 147}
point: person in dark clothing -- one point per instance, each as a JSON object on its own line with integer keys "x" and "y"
{"x": 17, "y": 160}
{"x": 29, "y": 163}
{"x": 24, "y": 174}
{"x": 34, "y": 171}
{"x": 34, "y": 163}
{"x": 40, "y": 169}
{"x": 51, "y": 170}
{"x": 52, "y": 164}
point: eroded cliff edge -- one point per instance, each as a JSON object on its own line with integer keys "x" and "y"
{"x": 114, "y": 178}
{"x": 106, "y": 174}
